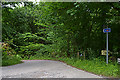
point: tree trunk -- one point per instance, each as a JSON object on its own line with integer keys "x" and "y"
{"x": 68, "y": 46}
{"x": 78, "y": 55}
{"x": 84, "y": 55}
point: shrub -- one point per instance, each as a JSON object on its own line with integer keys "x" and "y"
{"x": 91, "y": 54}
{"x": 30, "y": 50}
{"x": 9, "y": 56}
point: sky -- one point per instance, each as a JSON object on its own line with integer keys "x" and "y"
{"x": 34, "y": 1}
{"x": 21, "y": 5}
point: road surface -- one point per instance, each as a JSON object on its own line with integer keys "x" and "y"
{"x": 44, "y": 69}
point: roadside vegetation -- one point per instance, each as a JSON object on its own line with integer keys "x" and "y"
{"x": 9, "y": 56}
{"x": 11, "y": 60}
{"x": 70, "y": 32}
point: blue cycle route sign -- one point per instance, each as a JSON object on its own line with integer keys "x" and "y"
{"x": 107, "y": 30}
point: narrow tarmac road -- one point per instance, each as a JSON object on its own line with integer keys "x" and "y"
{"x": 44, "y": 69}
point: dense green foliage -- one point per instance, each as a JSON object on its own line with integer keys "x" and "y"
{"x": 10, "y": 60}
{"x": 9, "y": 56}
{"x": 62, "y": 30}
{"x": 82, "y": 25}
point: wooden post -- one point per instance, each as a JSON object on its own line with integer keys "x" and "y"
{"x": 84, "y": 55}
{"x": 78, "y": 55}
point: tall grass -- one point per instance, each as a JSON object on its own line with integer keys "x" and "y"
{"x": 10, "y": 60}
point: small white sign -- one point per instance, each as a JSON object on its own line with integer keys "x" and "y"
{"x": 118, "y": 59}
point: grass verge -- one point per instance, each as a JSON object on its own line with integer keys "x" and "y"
{"x": 10, "y": 60}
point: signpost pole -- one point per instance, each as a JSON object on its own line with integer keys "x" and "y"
{"x": 106, "y": 30}
{"x": 107, "y": 47}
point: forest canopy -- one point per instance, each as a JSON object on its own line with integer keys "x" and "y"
{"x": 61, "y": 28}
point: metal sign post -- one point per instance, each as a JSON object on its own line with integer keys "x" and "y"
{"x": 106, "y": 30}
{"x": 107, "y": 47}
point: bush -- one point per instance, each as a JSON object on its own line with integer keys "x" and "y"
{"x": 29, "y": 44}
{"x": 91, "y": 54}
{"x": 7, "y": 50}
{"x": 10, "y": 60}
{"x": 30, "y": 50}
{"x": 9, "y": 56}
{"x": 27, "y": 38}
